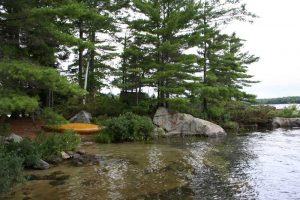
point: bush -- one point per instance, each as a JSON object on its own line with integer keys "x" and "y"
{"x": 10, "y": 169}
{"x": 25, "y": 149}
{"x": 288, "y": 112}
{"x": 54, "y": 143}
{"x": 246, "y": 114}
{"x": 50, "y": 117}
{"x": 144, "y": 107}
{"x": 127, "y": 127}
{"x": 100, "y": 120}
{"x": 4, "y": 129}
{"x": 103, "y": 137}
{"x": 106, "y": 105}
{"x": 231, "y": 126}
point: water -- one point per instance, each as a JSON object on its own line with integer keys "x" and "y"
{"x": 256, "y": 166}
{"x": 281, "y": 106}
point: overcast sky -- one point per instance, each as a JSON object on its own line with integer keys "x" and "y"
{"x": 275, "y": 38}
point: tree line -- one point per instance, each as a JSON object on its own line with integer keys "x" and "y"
{"x": 150, "y": 41}
{"x": 281, "y": 100}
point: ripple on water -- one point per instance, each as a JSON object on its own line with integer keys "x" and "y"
{"x": 258, "y": 166}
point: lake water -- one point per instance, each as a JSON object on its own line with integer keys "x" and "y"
{"x": 261, "y": 165}
{"x": 281, "y": 106}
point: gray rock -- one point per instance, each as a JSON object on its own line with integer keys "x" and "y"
{"x": 285, "y": 122}
{"x": 13, "y": 138}
{"x": 76, "y": 156}
{"x": 41, "y": 165}
{"x": 81, "y": 152}
{"x": 65, "y": 156}
{"x": 82, "y": 117}
{"x": 71, "y": 153}
{"x": 55, "y": 160}
{"x": 184, "y": 124}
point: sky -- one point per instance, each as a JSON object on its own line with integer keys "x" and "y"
{"x": 275, "y": 38}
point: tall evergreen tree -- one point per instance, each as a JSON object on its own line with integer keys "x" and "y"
{"x": 161, "y": 37}
{"x": 212, "y": 43}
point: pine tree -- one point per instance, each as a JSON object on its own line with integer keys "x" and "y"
{"x": 211, "y": 45}
{"x": 36, "y": 34}
{"x": 161, "y": 34}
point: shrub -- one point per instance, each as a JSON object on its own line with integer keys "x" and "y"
{"x": 246, "y": 114}
{"x": 288, "y": 112}
{"x": 10, "y": 169}
{"x": 25, "y": 149}
{"x": 144, "y": 107}
{"x": 128, "y": 127}
{"x": 50, "y": 117}
{"x": 4, "y": 129}
{"x": 54, "y": 143}
{"x": 100, "y": 120}
{"x": 103, "y": 137}
{"x": 231, "y": 126}
{"x": 106, "y": 105}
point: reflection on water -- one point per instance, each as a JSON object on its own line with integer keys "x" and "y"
{"x": 257, "y": 166}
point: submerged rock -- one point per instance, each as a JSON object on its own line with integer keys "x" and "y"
{"x": 42, "y": 165}
{"x": 86, "y": 159}
{"x": 285, "y": 122}
{"x": 184, "y": 124}
{"x": 81, "y": 152}
{"x": 55, "y": 159}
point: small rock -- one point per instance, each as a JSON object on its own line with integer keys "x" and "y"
{"x": 71, "y": 153}
{"x": 88, "y": 143}
{"x": 78, "y": 163}
{"x": 41, "y": 165}
{"x": 76, "y": 156}
{"x": 65, "y": 156}
{"x": 55, "y": 160}
{"x": 13, "y": 138}
{"x": 81, "y": 152}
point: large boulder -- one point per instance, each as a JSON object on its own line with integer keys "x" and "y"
{"x": 285, "y": 122}
{"x": 82, "y": 117}
{"x": 184, "y": 124}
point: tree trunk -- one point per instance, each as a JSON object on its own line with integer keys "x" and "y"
{"x": 80, "y": 57}
{"x": 92, "y": 88}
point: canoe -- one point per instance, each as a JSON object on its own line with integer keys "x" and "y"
{"x": 80, "y": 128}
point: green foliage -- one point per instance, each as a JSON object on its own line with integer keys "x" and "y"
{"x": 11, "y": 169}
{"x": 103, "y": 137}
{"x": 4, "y": 129}
{"x": 153, "y": 49}
{"x": 230, "y": 125}
{"x": 50, "y": 117}
{"x": 128, "y": 127}
{"x": 246, "y": 114}
{"x": 23, "y": 82}
{"x": 53, "y": 143}
{"x": 288, "y": 112}
{"x": 106, "y": 105}
{"x": 144, "y": 107}
{"x": 12, "y": 100}
{"x": 25, "y": 149}
{"x": 100, "y": 120}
